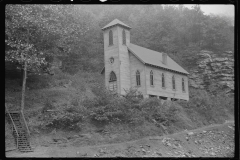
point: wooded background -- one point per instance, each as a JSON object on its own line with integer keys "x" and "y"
{"x": 73, "y": 33}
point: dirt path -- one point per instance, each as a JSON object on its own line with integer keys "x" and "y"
{"x": 210, "y": 141}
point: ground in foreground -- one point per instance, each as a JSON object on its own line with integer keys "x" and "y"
{"x": 210, "y": 141}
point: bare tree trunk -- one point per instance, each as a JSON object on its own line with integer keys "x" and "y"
{"x": 24, "y": 79}
{"x": 21, "y": 79}
{"x": 24, "y": 85}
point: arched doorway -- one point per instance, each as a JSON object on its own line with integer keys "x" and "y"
{"x": 113, "y": 82}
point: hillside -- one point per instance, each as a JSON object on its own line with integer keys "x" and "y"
{"x": 61, "y": 106}
{"x": 65, "y": 99}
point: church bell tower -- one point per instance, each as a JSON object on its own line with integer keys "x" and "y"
{"x": 116, "y": 37}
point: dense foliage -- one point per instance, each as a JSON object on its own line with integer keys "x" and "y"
{"x": 73, "y": 32}
{"x": 131, "y": 109}
{"x": 105, "y": 109}
{"x": 205, "y": 108}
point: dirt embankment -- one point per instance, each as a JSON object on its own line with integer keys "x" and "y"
{"x": 209, "y": 141}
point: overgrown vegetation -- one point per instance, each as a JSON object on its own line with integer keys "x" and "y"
{"x": 205, "y": 108}
{"x": 69, "y": 106}
{"x": 110, "y": 108}
{"x": 106, "y": 109}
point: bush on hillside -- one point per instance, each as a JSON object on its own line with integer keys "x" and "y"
{"x": 66, "y": 117}
{"x": 107, "y": 107}
{"x": 69, "y": 118}
{"x": 154, "y": 110}
{"x": 131, "y": 108}
{"x": 205, "y": 108}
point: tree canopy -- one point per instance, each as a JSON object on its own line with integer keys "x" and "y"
{"x": 73, "y": 32}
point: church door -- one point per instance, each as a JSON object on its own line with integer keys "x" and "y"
{"x": 113, "y": 82}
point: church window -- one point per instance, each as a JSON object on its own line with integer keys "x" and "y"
{"x": 112, "y": 77}
{"x": 113, "y": 82}
{"x": 110, "y": 37}
{"x": 151, "y": 78}
{"x": 124, "y": 36}
{"x": 163, "y": 80}
{"x": 138, "y": 78}
{"x": 173, "y": 82}
{"x": 183, "y": 85}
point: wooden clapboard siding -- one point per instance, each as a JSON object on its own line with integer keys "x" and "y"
{"x": 135, "y": 65}
{"x": 124, "y": 61}
{"x": 157, "y": 89}
{"x": 111, "y": 51}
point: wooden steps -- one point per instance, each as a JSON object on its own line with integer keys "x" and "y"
{"x": 19, "y": 132}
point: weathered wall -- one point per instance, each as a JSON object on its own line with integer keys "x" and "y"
{"x": 157, "y": 89}
{"x": 135, "y": 65}
{"x": 124, "y": 60}
{"x": 111, "y": 51}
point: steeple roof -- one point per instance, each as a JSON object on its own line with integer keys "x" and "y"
{"x": 115, "y": 22}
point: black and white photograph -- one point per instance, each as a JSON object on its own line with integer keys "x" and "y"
{"x": 122, "y": 80}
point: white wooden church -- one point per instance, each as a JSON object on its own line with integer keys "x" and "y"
{"x": 127, "y": 66}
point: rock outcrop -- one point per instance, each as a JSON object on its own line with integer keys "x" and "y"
{"x": 214, "y": 72}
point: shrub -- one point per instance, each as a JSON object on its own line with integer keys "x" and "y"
{"x": 133, "y": 96}
{"x": 69, "y": 118}
{"x": 207, "y": 108}
{"x": 130, "y": 109}
{"x": 111, "y": 108}
{"x": 105, "y": 109}
{"x": 154, "y": 110}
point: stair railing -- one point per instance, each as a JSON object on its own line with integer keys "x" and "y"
{"x": 13, "y": 124}
{"x": 12, "y": 121}
{"x": 25, "y": 123}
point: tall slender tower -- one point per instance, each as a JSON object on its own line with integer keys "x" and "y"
{"x": 116, "y": 57}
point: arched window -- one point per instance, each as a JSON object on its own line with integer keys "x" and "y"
{"x": 173, "y": 82}
{"x": 112, "y": 77}
{"x": 163, "y": 80}
{"x": 138, "y": 78}
{"x": 183, "y": 85}
{"x": 151, "y": 78}
{"x": 113, "y": 82}
{"x": 110, "y": 37}
{"x": 124, "y": 37}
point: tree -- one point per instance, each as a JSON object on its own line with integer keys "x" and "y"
{"x": 33, "y": 32}
{"x": 20, "y": 49}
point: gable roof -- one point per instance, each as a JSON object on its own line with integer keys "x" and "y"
{"x": 154, "y": 58}
{"x": 115, "y": 22}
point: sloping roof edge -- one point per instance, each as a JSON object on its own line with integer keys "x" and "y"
{"x": 115, "y": 25}
{"x": 116, "y": 22}
{"x": 166, "y": 68}
{"x": 136, "y": 56}
{"x": 155, "y": 65}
